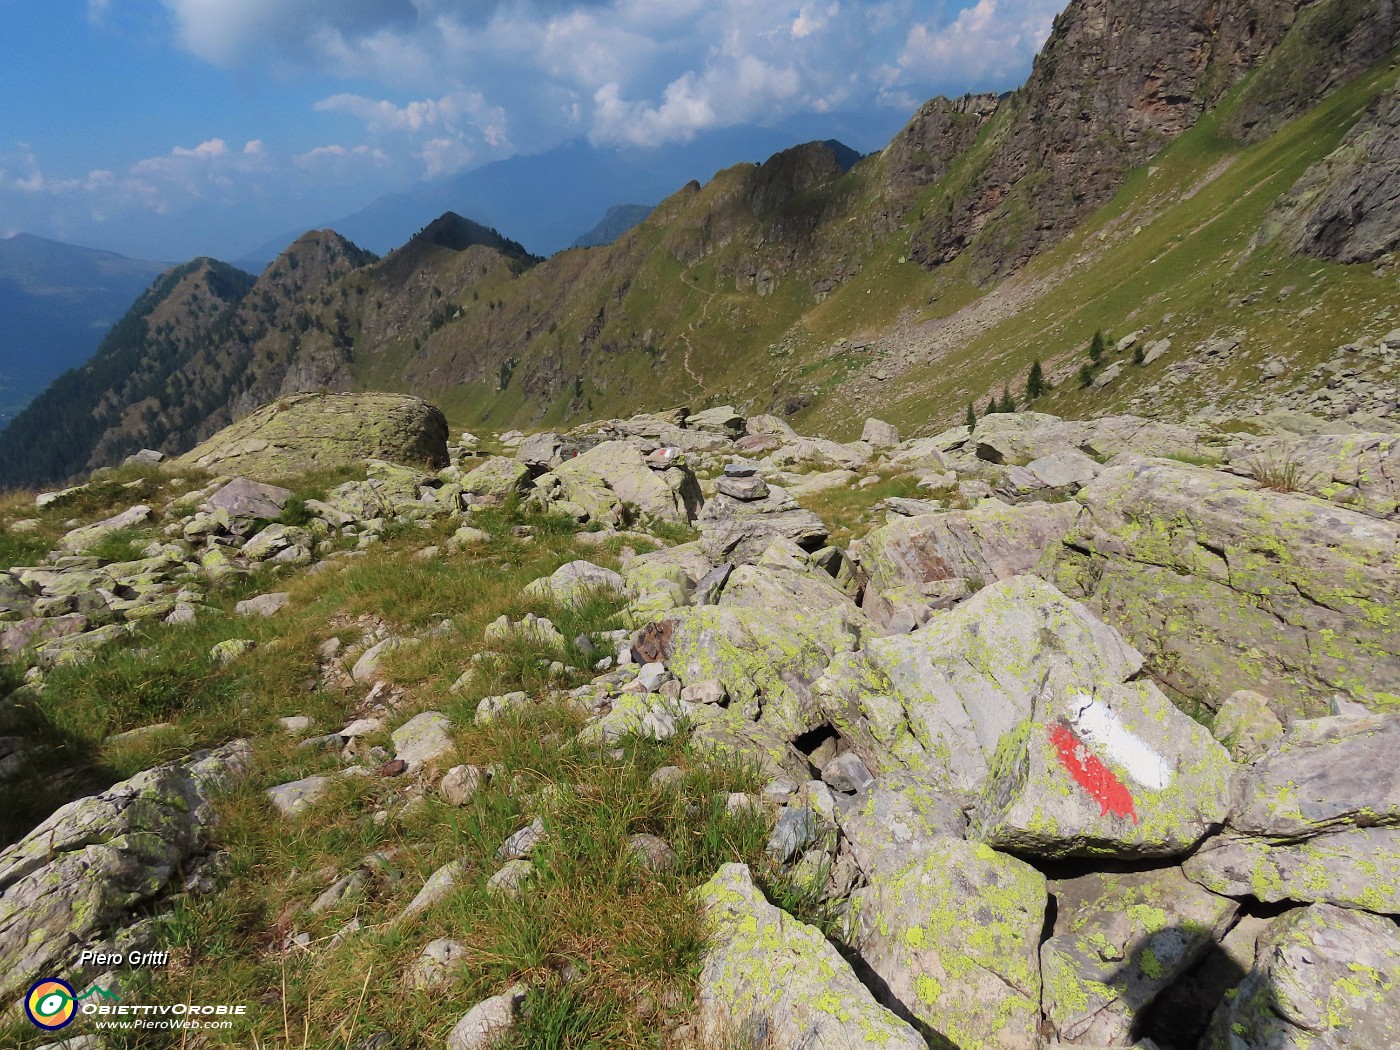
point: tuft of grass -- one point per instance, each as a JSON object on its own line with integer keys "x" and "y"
{"x": 848, "y": 512}
{"x": 1282, "y": 474}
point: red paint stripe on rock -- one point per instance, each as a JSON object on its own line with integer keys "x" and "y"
{"x": 1092, "y": 775}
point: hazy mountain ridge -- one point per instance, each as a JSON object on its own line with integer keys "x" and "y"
{"x": 56, "y": 301}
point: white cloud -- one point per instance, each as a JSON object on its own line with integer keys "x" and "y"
{"x": 634, "y": 71}
{"x": 988, "y": 44}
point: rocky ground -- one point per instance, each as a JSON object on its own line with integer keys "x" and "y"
{"x": 687, "y": 730}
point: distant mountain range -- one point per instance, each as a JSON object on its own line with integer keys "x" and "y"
{"x": 546, "y": 201}
{"x": 56, "y": 303}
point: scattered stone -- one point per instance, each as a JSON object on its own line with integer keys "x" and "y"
{"x": 493, "y": 708}
{"x": 652, "y": 852}
{"x": 511, "y": 879}
{"x": 228, "y": 651}
{"x": 438, "y": 886}
{"x": 293, "y": 798}
{"x": 460, "y": 783}
{"x": 423, "y": 739}
{"x": 367, "y": 666}
{"x": 523, "y": 842}
{"x": 436, "y": 964}
{"x": 265, "y": 605}
{"x": 486, "y": 1022}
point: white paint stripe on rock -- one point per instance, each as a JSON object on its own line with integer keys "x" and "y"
{"x": 1101, "y": 726}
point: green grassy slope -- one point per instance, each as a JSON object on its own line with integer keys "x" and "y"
{"x": 1173, "y": 256}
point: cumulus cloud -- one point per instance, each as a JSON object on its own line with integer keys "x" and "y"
{"x": 641, "y": 72}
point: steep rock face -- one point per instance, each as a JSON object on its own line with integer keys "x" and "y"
{"x": 940, "y": 131}
{"x": 1347, "y": 208}
{"x": 1116, "y": 82}
{"x": 1330, "y": 42}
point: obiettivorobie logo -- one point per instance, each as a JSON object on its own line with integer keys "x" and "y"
{"x": 52, "y": 1004}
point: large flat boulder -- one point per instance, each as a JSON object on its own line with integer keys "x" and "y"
{"x": 322, "y": 431}
{"x": 1226, "y": 585}
{"x": 774, "y": 981}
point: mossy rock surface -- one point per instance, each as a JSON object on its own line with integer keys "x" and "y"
{"x": 776, "y": 981}
{"x": 313, "y": 432}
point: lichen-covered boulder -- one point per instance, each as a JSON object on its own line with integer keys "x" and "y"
{"x": 575, "y": 582}
{"x": 915, "y": 559}
{"x": 1358, "y": 868}
{"x": 740, "y": 531}
{"x": 1115, "y": 772}
{"x": 953, "y": 935}
{"x": 1225, "y": 584}
{"x": 897, "y": 818}
{"x": 1327, "y": 774}
{"x": 1358, "y": 471}
{"x": 1021, "y": 437}
{"x": 243, "y": 498}
{"x": 1324, "y": 978}
{"x": 88, "y": 536}
{"x": 496, "y": 479}
{"x": 613, "y": 483}
{"x": 1119, "y": 941}
{"x": 1314, "y": 819}
{"x": 763, "y": 663}
{"x": 78, "y": 874}
{"x": 775, "y": 981}
{"x": 321, "y": 431}
{"x": 939, "y": 700}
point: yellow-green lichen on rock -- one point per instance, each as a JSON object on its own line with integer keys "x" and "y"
{"x": 1225, "y": 584}
{"x": 322, "y": 431}
{"x": 953, "y": 933}
{"x": 770, "y": 974}
{"x": 1119, "y": 941}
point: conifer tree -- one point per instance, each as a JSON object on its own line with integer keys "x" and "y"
{"x": 1035, "y": 382}
{"x": 1008, "y": 403}
{"x": 971, "y": 417}
{"x": 1097, "y": 347}
{"x": 1086, "y": 376}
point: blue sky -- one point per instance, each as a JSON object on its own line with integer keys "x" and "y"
{"x": 168, "y": 128}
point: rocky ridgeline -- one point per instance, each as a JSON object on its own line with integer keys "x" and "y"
{"x": 971, "y": 722}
